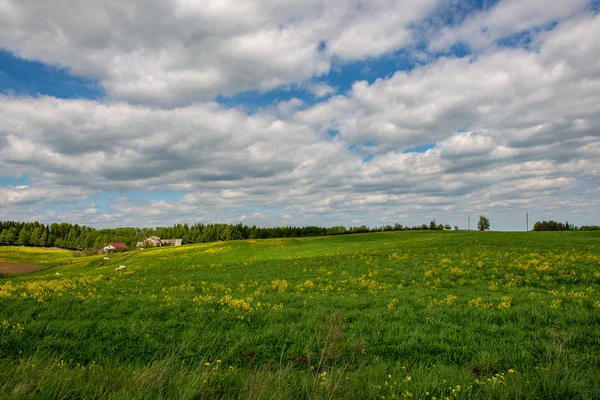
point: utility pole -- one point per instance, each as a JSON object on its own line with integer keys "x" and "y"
{"x": 469, "y": 223}
{"x": 527, "y": 219}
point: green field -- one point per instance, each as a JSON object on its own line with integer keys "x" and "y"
{"x": 419, "y": 315}
{"x": 43, "y": 258}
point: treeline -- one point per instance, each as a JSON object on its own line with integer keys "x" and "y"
{"x": 62, "y": 235}
{"x": 589, "y": 228}
{"x": 71, "y": 236}
{"x": 552, "y": 226}
{"x": 559, "y": 226}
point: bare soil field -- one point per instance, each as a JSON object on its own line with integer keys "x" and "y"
{"x": 10, "y": 268}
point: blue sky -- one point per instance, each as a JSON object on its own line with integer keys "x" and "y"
{"x": 321, "y": 113}
{"x": 32, "y": 78}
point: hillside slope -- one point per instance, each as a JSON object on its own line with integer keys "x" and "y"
{"x": 400, "y": 314}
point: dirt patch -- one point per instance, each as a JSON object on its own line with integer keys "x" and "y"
{"x": 9, "y": 268}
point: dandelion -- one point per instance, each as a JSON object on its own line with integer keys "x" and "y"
{"x": 279, "y": 285}
{"x": 18, "y": 328}
{"x": 556, "y": 303}
{"x": 511, "y": 371}
{"x": 392, "y": 304}
{"x": 479, "y": 303}
{"x": 450, "y": 299}
{"x": 505, "y": 303}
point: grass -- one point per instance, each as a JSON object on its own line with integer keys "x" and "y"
{"x": 36, "y": 256}
{"x": 386, "y": 315}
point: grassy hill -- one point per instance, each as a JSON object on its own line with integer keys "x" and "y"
{"x": 395, "y": 315}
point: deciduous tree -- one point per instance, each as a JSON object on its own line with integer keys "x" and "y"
{"x": 483, "y": 224}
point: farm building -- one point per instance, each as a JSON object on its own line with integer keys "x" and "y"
{"x": 154, "y": 241}
{"x": 114, "y": 246}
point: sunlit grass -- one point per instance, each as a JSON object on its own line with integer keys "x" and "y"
{"x": 394, "y": 315}
{"x": 34, "y": 255}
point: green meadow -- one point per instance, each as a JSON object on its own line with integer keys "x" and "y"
{"x": 31, "y": 255}
{"x": 394, "y": 315}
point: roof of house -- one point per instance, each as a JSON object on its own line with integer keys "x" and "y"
{"x": 118, "y": 245}
{"x": 175, "y": 242}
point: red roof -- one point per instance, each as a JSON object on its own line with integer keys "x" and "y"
{"x": 118, "y": 245}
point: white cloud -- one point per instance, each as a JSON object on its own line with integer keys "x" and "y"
{"x": 506, "y": 18}
{"x": 321, "y": 90}
{"x": 514, "y": 130}
{"x": 467, "y": 144}
{"x": 176, "y": 51}
{"x": 522, "y": 97}
{"x": 27, "y": 196}
{"x": 289, "y": 107}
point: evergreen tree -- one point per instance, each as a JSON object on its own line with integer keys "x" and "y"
{"x": 23, "y": 238}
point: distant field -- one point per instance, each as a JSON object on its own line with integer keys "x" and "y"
{"x": 423, "y": 315}
{"x": 20, "y": 260}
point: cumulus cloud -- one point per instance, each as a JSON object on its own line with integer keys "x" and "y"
{"x": 513, "y": 129}
{"x": 26, "y": 196}
{"x": 506, "y": 18}
{"x": 517, "y": 94}
{"x": 176, "y": 51}
{"x": 119, "y": 146}
{"x": 321, "y": 89}
{"x": 466, "y": 145}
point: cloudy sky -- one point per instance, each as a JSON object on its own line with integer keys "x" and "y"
{"x": 286, "y": 112}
